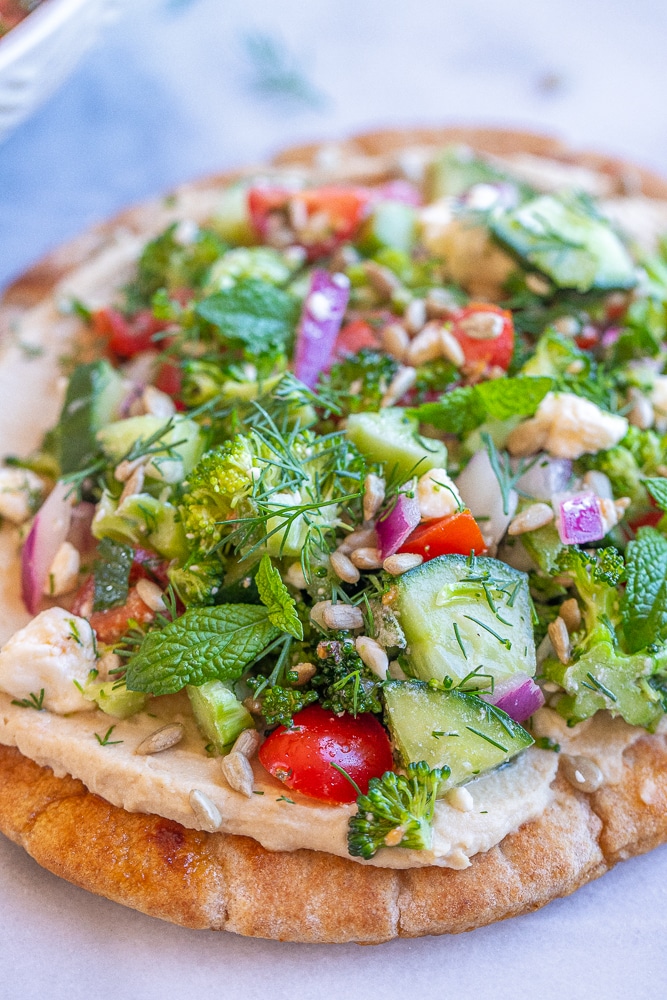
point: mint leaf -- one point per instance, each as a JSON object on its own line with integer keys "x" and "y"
{"x": 513, "y": 397}
{"x": 644, "y": 605}
{"x": 111, "y": 574}
{"x": 658, "y": 490}
{"x": 465, "y": 408}
{"x": 277, "y": 598}
{"x": 256, "y": 313}
{"x": 204, "y": 644}
{"x": 457, "y": 412}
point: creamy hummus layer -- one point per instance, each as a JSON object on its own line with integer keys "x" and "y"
{"x": 279, "y": 819}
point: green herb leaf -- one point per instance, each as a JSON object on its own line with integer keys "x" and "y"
{"x": 644, "y": 605}
{"x": 457, "y": 412}
{"x": 514, "y": 397}
{"x": 111, "y": 574}
{"x": 256, "y": 313}
{"x": 202, "y": 645}
{"x": 465, "y": 408}
{"x": 274, "y": 594}
{"x": 658, "y": 490}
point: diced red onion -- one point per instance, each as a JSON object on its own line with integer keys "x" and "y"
{"x": 321, "y": 317}
{"x": 519, "y": 700}
{"x": 138, "y": 373}
{"x": 610, "y": 336}
{"x": 79, "y": 534}
{"x": 49, "y": 530}
{"x": 579, "y": 519}
{"x": 399, "y": 523}
{"x": 480, "y": 491}
{"x": 399, "y": 190}
{"x": 546, "y": 477}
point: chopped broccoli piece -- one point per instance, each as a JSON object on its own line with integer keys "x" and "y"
{"x": 396, "y": 812}
{"x": 346, "y": 682}
{"x": 601, "y": 674}
{"x": 637, "y": 456}
{"x": 280, "y": 704}
{"x": 169, "y": 263}
{"x": 218, "y": 490}
{"x": 198, "y": 584}
{"x": 359, "y": 381}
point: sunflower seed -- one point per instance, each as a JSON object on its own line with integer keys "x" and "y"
{"x": 162, "y": 739}
{"x": 206, "y": 811}
{"x": 247, "y": 743}
{"x": 344, "y": 569}
{"x": 402, "y": 562}
{"x": 366, "y": 557}
{"x": 343, "y": 616}
{"x": 531, "y": 518}
{"x": 560, "y": 639}
{"x": 238, "y": 772}
{"x": 582, "y": 773}
{"x": 373, "y": 655}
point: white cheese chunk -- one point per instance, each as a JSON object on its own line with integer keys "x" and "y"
{"x": 51, "y": 653}
{"x": 437, "y": 495}
{"x": 19, "y": 491}
{"x": 568, "y": 426}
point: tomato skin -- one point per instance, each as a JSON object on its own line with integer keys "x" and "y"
{"x": 354, "y": 337}
{"x": 301, "y": 757}
{"x": 344, "y": 207}
{"x": 493, "y": 353}
{"x": 127, "y": 336}
{"x": 457, "y": 534}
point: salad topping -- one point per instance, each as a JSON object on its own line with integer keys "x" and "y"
{"x": 362, "y": 477}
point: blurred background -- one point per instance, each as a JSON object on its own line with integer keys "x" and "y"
{"x": 174, "y": 89}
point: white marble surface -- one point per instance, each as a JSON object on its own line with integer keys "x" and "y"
{"x": 167, "y": 96}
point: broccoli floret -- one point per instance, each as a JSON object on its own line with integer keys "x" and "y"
{"x": 218, "y": 489}
{"x": 396, "y": 812}
{"x": 359, "y": 381}
{"x": 197, "y": 584}
{"x": 169, "y": 263}
{"x": 346, "y": 683}
{"x": 280, "y": 704}
{"x": 600, "y": 674}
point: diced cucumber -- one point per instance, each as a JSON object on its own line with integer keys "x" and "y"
{"x": 231, "y": 219}
{"x": 392, "y": 225}
{"x": 141, "y": 520}
{"x": 565, "y": 239}
{"x": 456, "y": 169}
{"x": 113, "y": 698}
{"x": 174, "y": 453}
{"x": 221, "y": 717}
{"x": 94, "y": 393}
{"x": 462, "y": 615}
{"x": 393, "y": 439}
{"x": 450, "y": 727}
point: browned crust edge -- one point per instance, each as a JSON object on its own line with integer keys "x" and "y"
{"x": 223, "y": 882}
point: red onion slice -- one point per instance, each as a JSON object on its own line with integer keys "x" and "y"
{"x": 399, "y": 190}
{"x": 579, "y": 519}
{"x": 399, "y": 523}
{"x": 519, "y": 700}
{"x": 321, "y": 318}
{"x": 49, "y": 530}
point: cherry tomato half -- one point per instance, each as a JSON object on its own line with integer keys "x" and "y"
{"x": 470, "y": 327}
{"x": 354, "y": 337}
{"x": 456, "y": 534}
{"x": 127, "y": 336}
{"x": 302, "y": 757}
{"x": 343, "y": 208}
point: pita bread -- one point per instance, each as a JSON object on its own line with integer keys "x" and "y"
{"x": 224, "y": 882}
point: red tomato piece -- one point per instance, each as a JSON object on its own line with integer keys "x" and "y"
{"x": 588, "y": 338}
{"x": 169, "y": 379}
{"x": 343, "y": 209}
{"x": 354, "y": 337}
{"x": 302, "y": 757}
{"x": 494, "y": 350}
{"x": 456, "y": 534}
{"x": 127, "y": 336}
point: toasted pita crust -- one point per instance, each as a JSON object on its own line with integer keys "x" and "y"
{"x": 231, "y": 883}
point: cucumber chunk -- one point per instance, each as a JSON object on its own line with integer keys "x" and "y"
{"x": 392, "y": 225}
{"x": 392, "y": 438}
{"x": 567, "y": 241}
{"x": 113, "y": 698}
{"x": 456, "y": 169}
{"x": 450, "y": 727}
{"x": 221, "y": 717}
{"x": 177, "y": 444}
{"x": 463, "y": 615}
{"x": 94, "y": 394}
